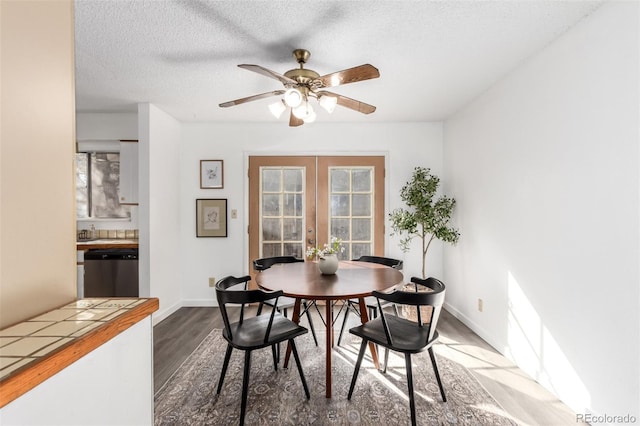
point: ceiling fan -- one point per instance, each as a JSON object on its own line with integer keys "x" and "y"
{"x": 301, "y": 84}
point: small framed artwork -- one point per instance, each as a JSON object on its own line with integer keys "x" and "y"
{"x": 211, "y": 217}
{"x": 211, "y": 174}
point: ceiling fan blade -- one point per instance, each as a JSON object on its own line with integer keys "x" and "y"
{"x": 351, "y": 75}
{"x": 251, "y": 98}
{"x": 266, "y": 72}
{"x": 350, "y": 103}
{"x": 294, "y": 121}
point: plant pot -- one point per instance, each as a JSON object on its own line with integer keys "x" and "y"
{"x": 328, "y": 265}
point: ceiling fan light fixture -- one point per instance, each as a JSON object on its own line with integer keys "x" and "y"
{"x": 310, "y": 118}
{"x": 303, "y": 111}
{"x": 277, "y": 108}
{"x": 301, "y": 84}
{"x": 328, "y": 103}
{"x": 292, "y": 97}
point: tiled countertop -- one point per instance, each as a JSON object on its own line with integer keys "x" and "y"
{"x": 29, "y": 344}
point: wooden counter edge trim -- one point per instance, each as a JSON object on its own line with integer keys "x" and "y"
{"x": 82, "y": 246}
{"x": 37, "y": 372}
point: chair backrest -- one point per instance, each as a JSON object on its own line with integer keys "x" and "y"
{"x": 433, "y": 297}
{"x": 387, "y": 261}
{"x": 268, "y": 262}
{"x": 228, "y": 295}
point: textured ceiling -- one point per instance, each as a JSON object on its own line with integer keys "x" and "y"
{"x": 182, "y": 55}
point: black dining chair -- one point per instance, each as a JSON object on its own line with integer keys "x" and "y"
{"x": 404, "y": 335}
{"x": 256, "y": 332}
{"x": 372, "y": 306}
{"x": 284, "y": 303}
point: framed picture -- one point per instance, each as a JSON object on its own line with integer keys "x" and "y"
{"x": 211, "y": 174}
{"x": 211, "y": 217}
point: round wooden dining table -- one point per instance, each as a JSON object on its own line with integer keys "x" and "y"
{"x": 353, "y": 280}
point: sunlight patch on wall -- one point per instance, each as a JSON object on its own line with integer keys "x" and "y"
{"x": 534, "y": 349}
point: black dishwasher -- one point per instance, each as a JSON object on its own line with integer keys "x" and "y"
{"x": 111, "y": 273}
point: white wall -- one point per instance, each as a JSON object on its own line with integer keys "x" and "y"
{"x": 175, "y": 265}
{"x": 545, "y": 168}
{"x": 110, "y": 126}
{"x": 406, "y": 146}
{"x": 159, "y": 209}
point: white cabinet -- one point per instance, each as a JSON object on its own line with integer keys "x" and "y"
{"x": 128, "y": 172}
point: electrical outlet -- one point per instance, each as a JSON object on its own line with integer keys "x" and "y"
{"x": 480, "y": 305}
{"x": 212, "y": 282}
{"x": 234, "y": 214}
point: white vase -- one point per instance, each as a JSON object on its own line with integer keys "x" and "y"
{"x": 328, "y": 265}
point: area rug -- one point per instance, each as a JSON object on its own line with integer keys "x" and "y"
{"x": 277, "y": 397}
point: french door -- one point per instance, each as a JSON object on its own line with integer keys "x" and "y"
{"x": 301, "y": 201}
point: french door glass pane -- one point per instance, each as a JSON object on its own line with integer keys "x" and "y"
{"x": 271, "y": 204}
{"x": 340, "y": 205}
{"x": 292, "y": 229}
{"x": 293, "y": 205}
{"x": 340, "y": 228}
{"x": 271, "y": 250}
{"x": 358, "y": 250}
{"x": 281, "y": 215}
{"x": 361, "y": 229}
{"x": 292, "y": 180}
{"x": 351, "y": 209}
{"x": 339, "y": 180}
{"x": 361, "y": 205}
{"x": 271, "y": 229}
{"x": 271, "y": 180}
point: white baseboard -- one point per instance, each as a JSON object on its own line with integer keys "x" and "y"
{"x": 200, "y": 303}
{"x": 162, "y": 314}
{"x": 484, "y": 334}
{"x": 165, "y": 313}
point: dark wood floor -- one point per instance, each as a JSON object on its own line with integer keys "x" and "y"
{"x": 524, "y": 400}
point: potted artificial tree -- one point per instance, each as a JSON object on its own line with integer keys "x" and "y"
{"x": 426, "y": 216}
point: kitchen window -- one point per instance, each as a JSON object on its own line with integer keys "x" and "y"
{"x": 98, "y": 186}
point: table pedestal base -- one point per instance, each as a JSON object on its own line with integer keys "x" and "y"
{"x": 364, "y": 317}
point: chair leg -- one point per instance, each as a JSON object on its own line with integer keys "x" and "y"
{"x": 437, "y": 373}
{"x": 412, "y": 401}
{"x": 363, "y": 347}
{"x": 344, "y": 323}
{"x": 295, "y": 355}
{"x": 245, "y": 385}
{"x": 274, "y": 352}
{"x": 373, "y": 313}
{"x": 227, "y": 356}
{"x": 386, "y": 360}
{"x": 395, "y": 309}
